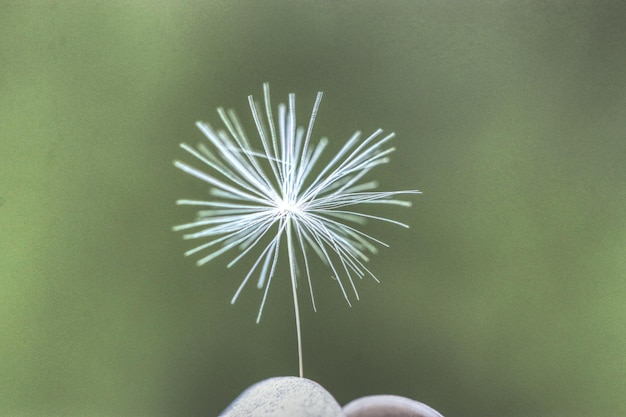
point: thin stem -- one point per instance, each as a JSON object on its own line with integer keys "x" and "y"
{"x": 292, "y": 270}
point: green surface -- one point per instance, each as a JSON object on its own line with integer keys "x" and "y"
{"x": 507, "y": 297}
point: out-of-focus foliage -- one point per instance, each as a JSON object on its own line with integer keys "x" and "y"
{"x": 506, "y": 297}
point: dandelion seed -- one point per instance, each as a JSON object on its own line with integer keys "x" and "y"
{"x": 271, "y": 191}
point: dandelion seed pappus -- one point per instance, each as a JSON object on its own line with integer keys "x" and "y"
{"x": 271, "y": 189}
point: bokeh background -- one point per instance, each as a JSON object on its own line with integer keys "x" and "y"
{"x": 505, "y": 298}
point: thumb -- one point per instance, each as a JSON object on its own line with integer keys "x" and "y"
{"x": 284, "y": 397}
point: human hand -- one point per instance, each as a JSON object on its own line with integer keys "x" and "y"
{"x": 301, "y": 397}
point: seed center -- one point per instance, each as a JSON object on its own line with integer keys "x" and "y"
{"x": 286, "y": 208}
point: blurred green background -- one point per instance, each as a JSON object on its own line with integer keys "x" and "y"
{"x": 505, "y": 298}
